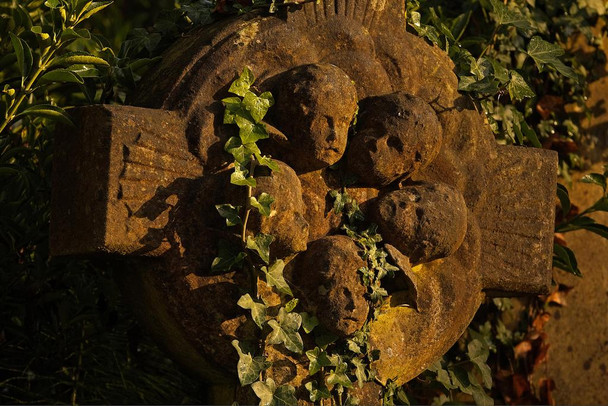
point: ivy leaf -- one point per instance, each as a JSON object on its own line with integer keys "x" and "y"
{"x": 267, "y": 162}
{"x": 258, "y": 106}
{"x": 262, "y": 203}
{"x": 241, "y": 152}
{"x": 291, "y": 305}
{"x": 242, "y": 85}
{"x": 546, "y": 53}
{"x": 309, "y": 322}
{"x": 339, "y": 201}
{"x": 478, "y": 354}
{"x": 285, "y": 331}
{"x": 460, "y": 378}
{"x": 318, "y": 359}
{"x": 317, "y": 392}
{"x": 486, "y": 85}
{"x": 481, "y": 398}
{"x": 248, "y": 368}
{"x": 228, "y": 258}
{"x": 230, "y": 213}
{"x": 232, "y": 105}
{"x": 360, "y": 373}
{"x": 595, "y": 179}
{"x": 23, "y": 52}
{"x": 239, "y": 176}
{"x": 518, "y": 88}
{"x": 324, "y": 337}
{"x": 261, "y": 244}
{"x": 250, "y": 131}
{"x": 500, "y": 72}
{"x": 274, "y": 277}
{"x": 506, "y": 16}
{"x": 258, "y": 310}
{"x": 338, "y": 376}
{"x": 443, "y": 376}
{"x": 270, "y": 395}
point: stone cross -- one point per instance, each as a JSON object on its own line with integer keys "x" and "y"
{"x": 141, "y": 183}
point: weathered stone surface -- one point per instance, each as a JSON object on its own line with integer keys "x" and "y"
{"x": 326, "y": 274}
{"x": 165, "y": 207}
{"x": 396, "y": 135}
{"x": 306, "y": 111}
{"x": 425, "y": 221}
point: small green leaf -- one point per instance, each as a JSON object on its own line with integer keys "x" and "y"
{"x": 261, "y": 244}
{"x": 230, "y": 213}
{"x": 309, "y": 322}
{"x": 228, "y": 258}
{"x": 506, "y": 16}
{"x": 23, "y": 51}
{"x": 518, "y": 88}
{"x": 595, "y": 179}
{"x": 274, "y": 277}
{"x": 500, "y": 72}
{"x": 324, "y": 337}
{"x": 460, "y": 378}
{"x": 242, "y": 85}
{"x": 262, "y": 203}
{"x": 360, "y": 371}
{"x": 266, "y": 161}
{"x": 317, "y": 392}
{"x": 62, "y": 76}
{"x": 258, "y": 310}
{"x": 47, "y": 111}
{"x": 270, "y": 395}
{"x": 338, "y": 376}
{"x": 241, "y": 152}
{"x": 257, "y": 106}
{"x": 546, "y": 53}
{"x": 565, "y": 259}
{"x": 75, "y": 58}
{"x": 564, "y": 198}
{"x": 250, "y": 131}
{"x": 318, "y": 359}
{"x": 72, "y": 34}
{"x": 291, "y": 305}
{"x": 285, "y": 331}
{"x": 248, "y": 368}
{"x": 239, "y": 176}
{"x": 478, "y": 354}
{"x": 94, "y": 7}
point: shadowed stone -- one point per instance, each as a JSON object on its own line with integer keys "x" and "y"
{"x": 425, "y": 221}
{"x": 396, "y": 135}
{"x": 141, "y": 182}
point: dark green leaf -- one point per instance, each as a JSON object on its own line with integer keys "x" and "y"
{"x": 274, "y": 277}
{"x": 546, "y": 53}
{"x": 285, "y": 331}
{"x": 317, "y": 392}
{"x": 228, "y": 257}
{"x": 25, "y": 59}
{"x": 47, "y": 111}
{"x": 242, "y": 85}
{"x": 564, "y": 198}
{"x": 565, "y": 259}
{"x": 230, "y": 213}
{"x": 478, "y": 354}
{"x": 72, "y": 34}
{"x": 506, "y": 16}
{"x": 309, "y": 322}
{"x": 249, "y": 368}
{"x": 62, "y": 76}
{"x": 262, "y": 203}
{"x": 518, "y": 88}
{"x": 600, "y": 205}
{"x": 500, "y": 72}
{"x": 487, "y": 85}
{"x": 460, "y": 379}
{"x": 318, "y": 359}
{"x": 94, "y": 7}
{"x": 258, "y": 310}
{"x": 596, "y": 179}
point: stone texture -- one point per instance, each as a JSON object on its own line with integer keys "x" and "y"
{"x": 396, "y": 135}
{"x": 426, "y": 221}
{"x": 316, "y": 127}
{"x": 326, "y": 275}
{"x": 144, "y": 193}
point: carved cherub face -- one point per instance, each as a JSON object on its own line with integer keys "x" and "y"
{"x": 315, "y": 106}
{"x": 396, "y": 135}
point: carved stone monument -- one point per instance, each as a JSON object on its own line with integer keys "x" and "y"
{"x": 140, "y": 183}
